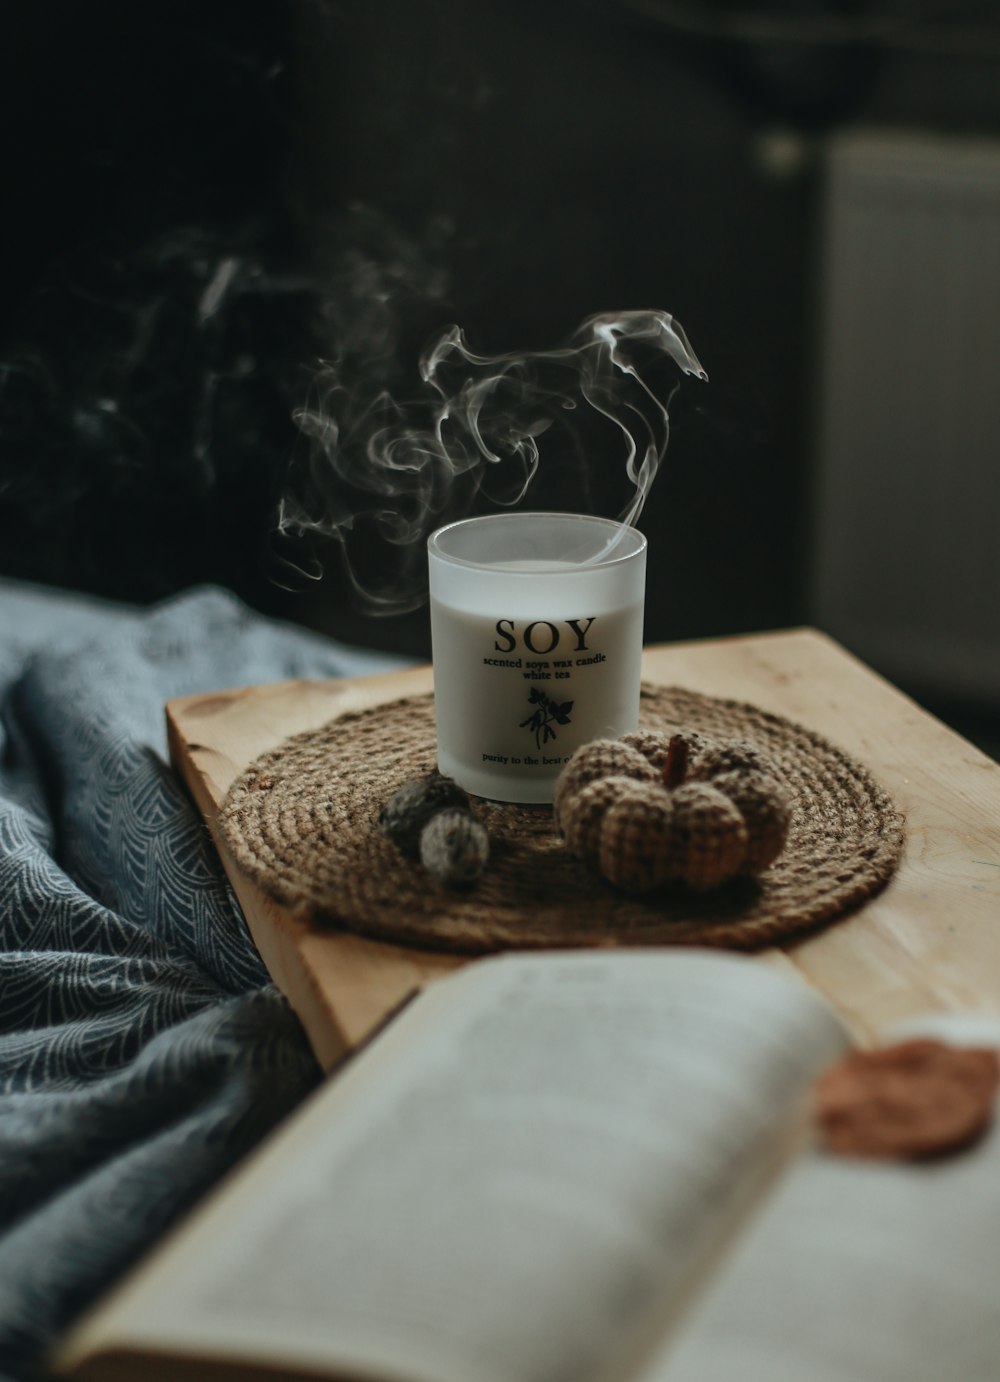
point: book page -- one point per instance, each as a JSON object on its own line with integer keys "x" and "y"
{"x": 881, "y": 1271}
{"x": 505, "y": 1183}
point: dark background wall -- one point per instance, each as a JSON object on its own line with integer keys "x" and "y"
{"x": 204, "y": 199}
{"x": 142, "y": 148}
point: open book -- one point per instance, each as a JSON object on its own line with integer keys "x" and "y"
{"x": 574, "y": 1167}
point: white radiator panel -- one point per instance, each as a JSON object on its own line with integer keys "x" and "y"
{"x": 906, "y": 532}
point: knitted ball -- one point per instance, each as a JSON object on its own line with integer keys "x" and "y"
{"x": 454, "y": 847}
{"x": 406, "y": 813}
{"x": 654, "y": 809}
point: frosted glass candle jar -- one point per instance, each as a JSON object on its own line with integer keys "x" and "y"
{"x": 536, "y": 630}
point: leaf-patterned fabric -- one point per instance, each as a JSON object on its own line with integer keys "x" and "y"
{"x": 143, "y": 1049}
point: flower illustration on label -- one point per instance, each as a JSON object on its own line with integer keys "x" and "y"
{"x": 547, "y": 712}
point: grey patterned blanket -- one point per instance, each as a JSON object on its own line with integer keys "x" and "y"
{"x": 143, "y": 1049}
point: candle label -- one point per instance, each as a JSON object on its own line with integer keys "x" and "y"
{"x": 521, "y": 695}
{"x": 542, "y": 636}
{"x": 546, "y": 716}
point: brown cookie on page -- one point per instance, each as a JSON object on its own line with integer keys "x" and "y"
{"x": 915, "y": 1099}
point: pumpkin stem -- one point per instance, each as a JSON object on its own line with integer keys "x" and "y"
{"x": 676, "y": 763}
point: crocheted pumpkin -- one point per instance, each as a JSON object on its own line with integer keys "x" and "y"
{"x": 650, "y": 809}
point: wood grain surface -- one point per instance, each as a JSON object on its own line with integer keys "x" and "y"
{"x": 929, "y": 942}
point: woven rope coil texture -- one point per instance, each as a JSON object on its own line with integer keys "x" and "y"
{"x": 302, "y": 822}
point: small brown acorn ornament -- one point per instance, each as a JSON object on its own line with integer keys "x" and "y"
{"x": 431, "y": 819}
{"x": 651, "y": 809}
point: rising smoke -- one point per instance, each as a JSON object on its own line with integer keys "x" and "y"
{"x": 380, "y": 470}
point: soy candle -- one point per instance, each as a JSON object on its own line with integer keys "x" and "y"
{"x": 536, "y": 632}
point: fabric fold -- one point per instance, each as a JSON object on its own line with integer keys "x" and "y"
{"x": 143, "y": 1049}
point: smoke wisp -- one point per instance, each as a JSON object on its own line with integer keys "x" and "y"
{"x": 376, "y": 473}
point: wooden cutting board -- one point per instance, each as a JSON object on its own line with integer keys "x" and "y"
{"x": 929, "y": 942}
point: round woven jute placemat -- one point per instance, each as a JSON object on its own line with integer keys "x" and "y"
{"x": 302, "y": 821}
